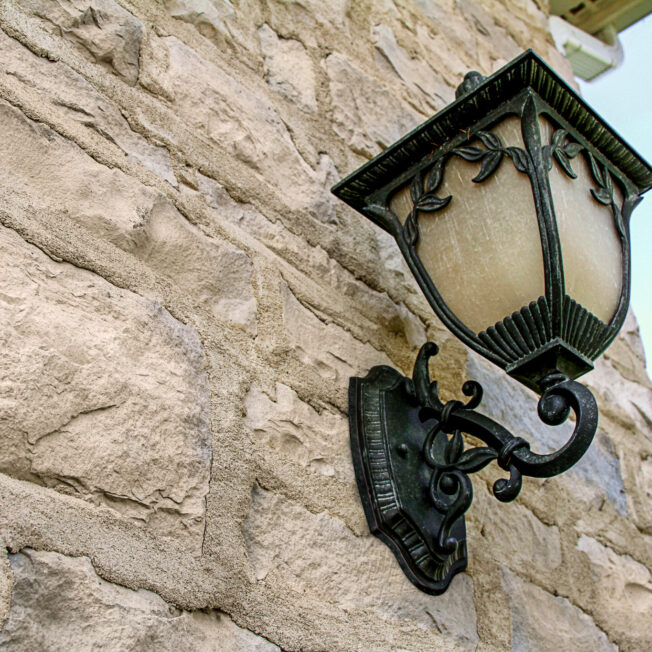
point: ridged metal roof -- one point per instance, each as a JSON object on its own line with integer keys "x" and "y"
{"x": 526, "y": 71}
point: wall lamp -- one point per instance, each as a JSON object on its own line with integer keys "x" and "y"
{"x": 511, "y": 207}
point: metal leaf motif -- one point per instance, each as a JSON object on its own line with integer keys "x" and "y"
{"x": 434, "y": 176}
{"x": 519, "y": 157}
{"x": 470, "y": 153}
{"x": 430, "y": 202}
{"x": 602, "y": 195}
{"x": 490, "y": 163}
{"x": 573, "y": 149}
{"x": 416, "y": 187}
{"x": 475, "y": 459}
{"x": 608, "y": 184}
{"x": 411, "y": 230}
{"x": 564, "y": 161}
{"x": 618, "y": 217}
{"x": 595, "y": 170}
{"x": 558, "y": 138}
{"x": 489, "y": 140}
{"x": 454, "y": 448}
{"x": 425, "y": 183}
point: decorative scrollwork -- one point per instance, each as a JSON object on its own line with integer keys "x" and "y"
{"x": 426, "y": 182}
{"x": 450, "y": 489}
{"x": 414, "y": 474}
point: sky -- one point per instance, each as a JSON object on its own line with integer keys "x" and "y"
{"x": 623, "y": 97}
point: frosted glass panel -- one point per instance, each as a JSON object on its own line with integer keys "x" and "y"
{"x": 590, "y": 244}
{"x": 483, "y": 251}
{"x": 401, "y": 203}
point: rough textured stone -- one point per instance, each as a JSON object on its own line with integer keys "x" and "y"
{"x": 211, "y": 17}
{"x": 235, "y": 118}
{"x": 542, "y": 622}
{"x": 59, "y": 177}
{"x": 377, "y": 306}
{"x": 318, "y": 553}
{"x": 634, "y": 409}
{"x": 106, "y": 31}
{"x": 6, "y": 585}
{"x": 219, "y": 275}
{"x": 317, "y": 440}
{"x": 494, "y": 525}
{"x": 413, "y": 72}
{"x": 68, "y": 92}
{"x": 60, "y": 601}
{"x": 82, "y": 374}
{"x": 184, "y": 150}
{"x": 480, "y": 20}
{"x": 324, "y": 348}
{"x": 623, "y": 593}
{"x": 366, "y": 122}
{"x": 288, "y": 69}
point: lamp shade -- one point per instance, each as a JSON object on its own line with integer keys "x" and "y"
{"x": 511, "y": 206}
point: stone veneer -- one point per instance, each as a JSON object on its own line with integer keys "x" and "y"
{"x": 183, "y": 302}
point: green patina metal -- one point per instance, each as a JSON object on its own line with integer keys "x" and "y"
{"x": 413, "y": 478}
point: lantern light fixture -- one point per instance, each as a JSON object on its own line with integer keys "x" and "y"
{"x": 511, "y": 207}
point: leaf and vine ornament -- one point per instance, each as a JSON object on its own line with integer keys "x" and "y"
{"x": 563, "y": 150}
{"x": 425, "y": 183}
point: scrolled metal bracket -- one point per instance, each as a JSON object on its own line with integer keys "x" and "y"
{"x": 413, "y": 472}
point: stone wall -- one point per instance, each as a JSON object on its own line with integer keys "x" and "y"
{"x": 183, "y": 302}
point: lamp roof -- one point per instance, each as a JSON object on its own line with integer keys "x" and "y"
{"x": 527, "y": 70}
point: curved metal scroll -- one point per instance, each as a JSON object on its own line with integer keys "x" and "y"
{"x": 413, "y": 472}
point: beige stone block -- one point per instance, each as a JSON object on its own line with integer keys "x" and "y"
{"x": 215, "y": 274}
{"x": 318, "y": 555}
{"x": 445, "y": 19}
{"x": 6, "y": 586}
{"x": 103, "y": 393}
{"x": 60, "y": 603}
{"x": 623, "y": 400}
{"x": 511, "y": 534}
{"x": 365, "y": 115}
{"x": 102, "y": 29}
{"x": 288, "y": 69}
{"x": 288, "y": 425}
{"x": 309, "y": 18}
{"x": 238, "y": 120}
{"x": 325, "y": 349}
{"x": 623, "y": 594}
{"x": 440, "y": 46}
{"x": 627, "y": 354}
{"x": 487, "y": 28}
{"x": 66, "y": 94}
{"x": 416, "y": 73}
{"x": 640, "y": 489}
{"x": 379, "y": 310}
{"x": 211, "y": 17}
{"x": 54, "y": 175}
{"x": 544, "y": 623}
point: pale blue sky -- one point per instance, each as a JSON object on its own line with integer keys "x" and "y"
{"x": 623, "y": 98}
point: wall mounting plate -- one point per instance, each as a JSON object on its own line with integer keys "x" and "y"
{"x": 389, "y": 429}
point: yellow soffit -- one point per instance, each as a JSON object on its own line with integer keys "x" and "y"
{"x": 594, "y": 16}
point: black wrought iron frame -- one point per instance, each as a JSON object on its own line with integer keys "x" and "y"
{"x": 414, "y": 479}
{"x": 553, "y": 332}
